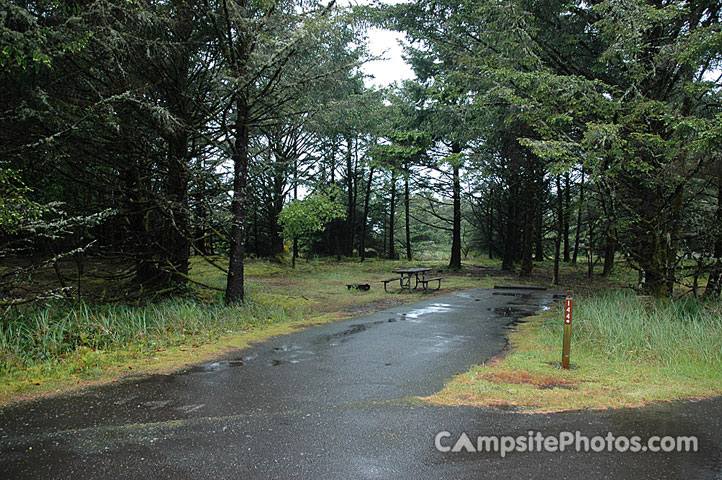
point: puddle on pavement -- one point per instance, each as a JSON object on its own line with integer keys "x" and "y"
{"x": 511, "y": 311}
{"x": 412, "y": 316}
{"x": 279, "y": 361}
{"x": 352, "y": 330}
{"x": 444, "y": 343}
{"x": 433, "y": 308}
{"x": 291, "y": 354}
{"x": 213, "y": 367}
{"x": 462, "y": 294}
{"x": 517, "y": 312}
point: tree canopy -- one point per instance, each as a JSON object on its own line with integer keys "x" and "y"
{"x": 141, "y": 133}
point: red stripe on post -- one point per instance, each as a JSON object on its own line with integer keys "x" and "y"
{"x": 568, "y": 311}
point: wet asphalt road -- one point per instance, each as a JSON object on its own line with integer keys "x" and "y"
{"x": 337, "y": 402}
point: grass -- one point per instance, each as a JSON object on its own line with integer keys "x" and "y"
{"x": 626, "y": 352}
{"x": 55, "y": 330}
{"x": 57, "y": 345}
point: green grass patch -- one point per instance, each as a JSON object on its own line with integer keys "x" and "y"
{"x": 55, "y": 330}
{"x": 626, "y": 351}
{"x": 56, "y": 342}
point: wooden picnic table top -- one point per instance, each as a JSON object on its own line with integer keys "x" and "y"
{"x": 402, "y": 271}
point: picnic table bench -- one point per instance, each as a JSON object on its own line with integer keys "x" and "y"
{"x": 425, "y": 283}
{"x": 387, "y": 281}
{"x": 407, "y": 274}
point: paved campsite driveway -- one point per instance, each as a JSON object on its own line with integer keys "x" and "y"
{"x": 335, "y": 402}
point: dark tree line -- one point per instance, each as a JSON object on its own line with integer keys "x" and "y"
{"x": 142, "y": 133}
{"x": 147, "y": 114}
{"x": 629, "y": 95}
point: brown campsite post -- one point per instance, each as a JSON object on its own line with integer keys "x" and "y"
{"x": 567, "y": 342}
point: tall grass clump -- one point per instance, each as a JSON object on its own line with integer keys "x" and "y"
{"x": 47, "y": 333}
{"x": 683, "y": 335}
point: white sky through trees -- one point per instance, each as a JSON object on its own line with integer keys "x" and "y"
{"x": 384, "y": 43}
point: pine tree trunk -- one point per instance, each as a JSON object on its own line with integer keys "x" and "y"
{"x": 511, "y": 236}
{"x": 609, "y": 252}
{"x": 579, "y": 219}
{"x": 386, "y": 231}
{"x": 294, "y": 255}
{"x": 530, "y": 202}
{"x": 202, "y": 234}
{"x": 275, "y": 206}
{"x": 647, "y": 248}
{"x": 567, "y": 213}
{"x": 406, "y": 213}
{"x": 714, "y": 283}
{"x": 331, "y": 231}
{"x": 134, "y": 187}
{"x": 560, "y": 230}
{"x": 179, "y": 155}
{"x": 364, "y": 226}
{"x": 538, "y": 231}
{"x": 234, "y": 287}
{"x": 455, "y": 261}
{"x": 392, "y": 250}
{"x": 256, "y": 240}
{"x": 275, "y": 233}
{"x": 512, "y": 230}
{"x": 654, "y": 250}
{"x": 351, "y": 207}
{"x": 490, "y": 229}
{"x": 590, "y": 249}
{"x": 178, "y": 178}
{"x": 147, "y": 273}
{"x": 527, "y": 264}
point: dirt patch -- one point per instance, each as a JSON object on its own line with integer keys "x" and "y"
{"x": 541, "y": 381}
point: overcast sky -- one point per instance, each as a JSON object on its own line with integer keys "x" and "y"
{"x": 384, "y": 43}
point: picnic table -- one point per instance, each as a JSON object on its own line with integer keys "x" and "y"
{"x": 406, "y": 274}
